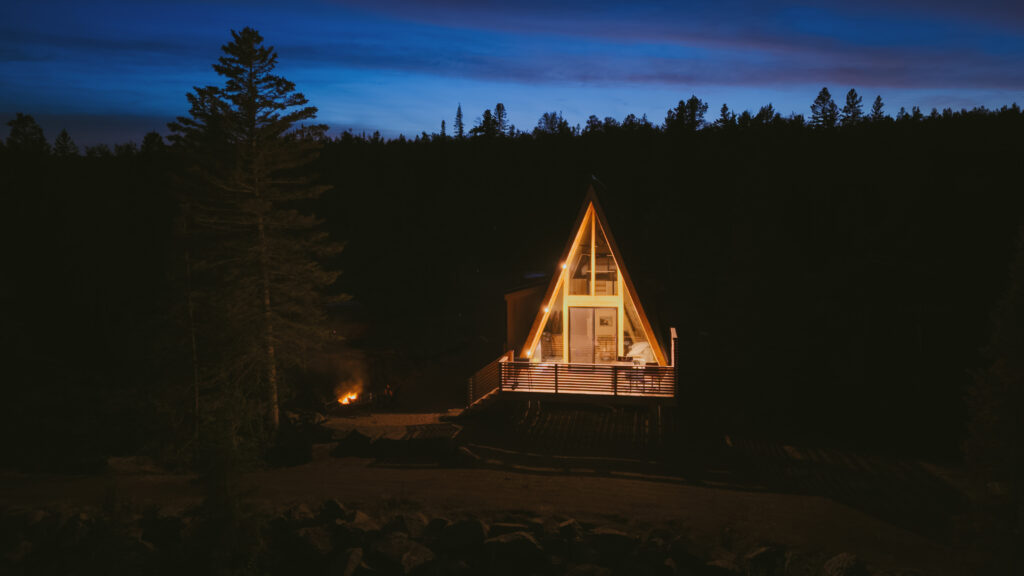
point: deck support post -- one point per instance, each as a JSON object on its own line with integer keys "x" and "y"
{"x": 615, "y": 382}
{"x": 556, "y": 378}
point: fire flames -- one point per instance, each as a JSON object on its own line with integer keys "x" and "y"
{"x": 348, "y": 398}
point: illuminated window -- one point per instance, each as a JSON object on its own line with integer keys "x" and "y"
{"x": 606, "y": 275}
{"x": 579, "y": 281}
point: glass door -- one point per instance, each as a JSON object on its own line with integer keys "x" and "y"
{"x": 593, "y": 335}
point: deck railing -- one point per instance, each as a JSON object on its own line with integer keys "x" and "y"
{"x": 486, "y": 380}
{"x": 592, "y": 379}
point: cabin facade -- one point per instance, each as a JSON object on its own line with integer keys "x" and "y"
{"x": 586, "y": 334}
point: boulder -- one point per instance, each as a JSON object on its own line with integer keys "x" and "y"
{"x": 844, "y": 564}
{"x": 300, "y": 515}
{"x": 432, "y": 531}
{"x": 500, "y": 528}
{"x": 514, "y": 552}
{"x": 765, "y": 561}
{"x": 570, "y": 530}
{"x": 355, "y": 532}
{"x": 346, "y": 562}
{"x": 463, "y": 535}
{"x": 614, "y": 546}
{"x": 396, "y": 553}
{"x": 332, "y": 510}
{"x": 720, "y": 568}
{"x": 588, "y": 570}
{"x": 685, "y": 556}
{"x": 413, "y": 524}
{"x": 317, "y": 539}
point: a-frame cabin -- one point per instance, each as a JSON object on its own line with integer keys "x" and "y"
{"x": 589, "y": 334}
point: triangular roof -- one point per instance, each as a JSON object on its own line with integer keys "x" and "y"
{"x": 590, "y": 202}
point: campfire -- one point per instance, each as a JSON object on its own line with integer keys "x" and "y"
{"x": 349, "y": 392}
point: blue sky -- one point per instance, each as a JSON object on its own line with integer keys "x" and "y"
{"x": 109, "y": 71}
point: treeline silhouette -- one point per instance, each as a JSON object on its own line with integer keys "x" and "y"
{"x": 831, "y": 279}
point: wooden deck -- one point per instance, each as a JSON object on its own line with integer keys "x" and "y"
{"x": 550, "y": 380}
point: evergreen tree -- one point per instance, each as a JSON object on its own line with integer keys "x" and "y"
{"x": 726, "y": 118}
{"x": 260, "y": 253}
{"x": 152, "y": 143}
{"x": 552, "y": 123}
{"x": 100, "y": 150}
{"x": 766, "y": 115}
{"x": 487, "y": 126}
{"x": 64, "y": 146}
{"x": 902, "y": 115}
{"x": 877, "y": 115}
{"x": 824, "y": 112}
{"x": 853, "y": 112}
{"x": 593, "y": 125}
{"x": 460, "y": 128}
{"x": 26, "y": 136}
{"x": 500, "y": 119}
{"x": 687, "y": 116}
{"x": 444, "y": 130}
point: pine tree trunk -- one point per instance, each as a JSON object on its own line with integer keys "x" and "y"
{"x": 275, "y": 418}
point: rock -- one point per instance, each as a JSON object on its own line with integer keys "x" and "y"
{"x": 463, "y": 535}
{"x": 588, "y": 570}
{"x": 433, "y": 530}
{"x": 347, "y": 562}
{"x": 651, "y": 554}
{"x": 685, "y": 556}
{"x": 355, "y": 532}
{"x": 300, "y": 515}
{"x": 362, "y": 521}
{"x": 720, "y": 568}
{"x": 317, "y": 539}
{"x": 414, "y": 524}
{"x": 570, "y": 530}
{"x": 18, "y": 552}
{"x": 332, "y": 510}
{"x": 516, "y": 552}
{"x": 614, "y": 546}
{"x": 40, "y": 523}
{"x": 766, "y": 561}
{"x": 500, "y": 528}
{"x": 395, "y": 553}
{"x": 844, "y": 564}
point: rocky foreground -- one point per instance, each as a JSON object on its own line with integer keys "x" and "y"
{"x": 343, "y": 540}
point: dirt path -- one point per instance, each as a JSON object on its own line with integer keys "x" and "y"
{"x": 712, "y": 516}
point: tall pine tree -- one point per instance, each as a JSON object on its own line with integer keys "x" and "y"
{"x": 853, "y": 111}
{"x": 259, "y": 282}
{"x": 460, "y": 127}
{"x": 824, "y": 112}
{"x": 877, "y": 110}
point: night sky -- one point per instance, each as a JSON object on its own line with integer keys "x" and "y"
{"x": 110, "y": 71}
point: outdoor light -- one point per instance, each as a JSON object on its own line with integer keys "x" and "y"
{"x": 563, "y": 265}
{"x": 545, "y": 309}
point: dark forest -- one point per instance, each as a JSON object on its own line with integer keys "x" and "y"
{"x": 849, "y": 280}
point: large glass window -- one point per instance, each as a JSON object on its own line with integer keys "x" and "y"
{"x": 552, "y": 340}
{"x": 579, "y": 279}
{"x": 634, "y": 338}
{"x": 606, "y": 275}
